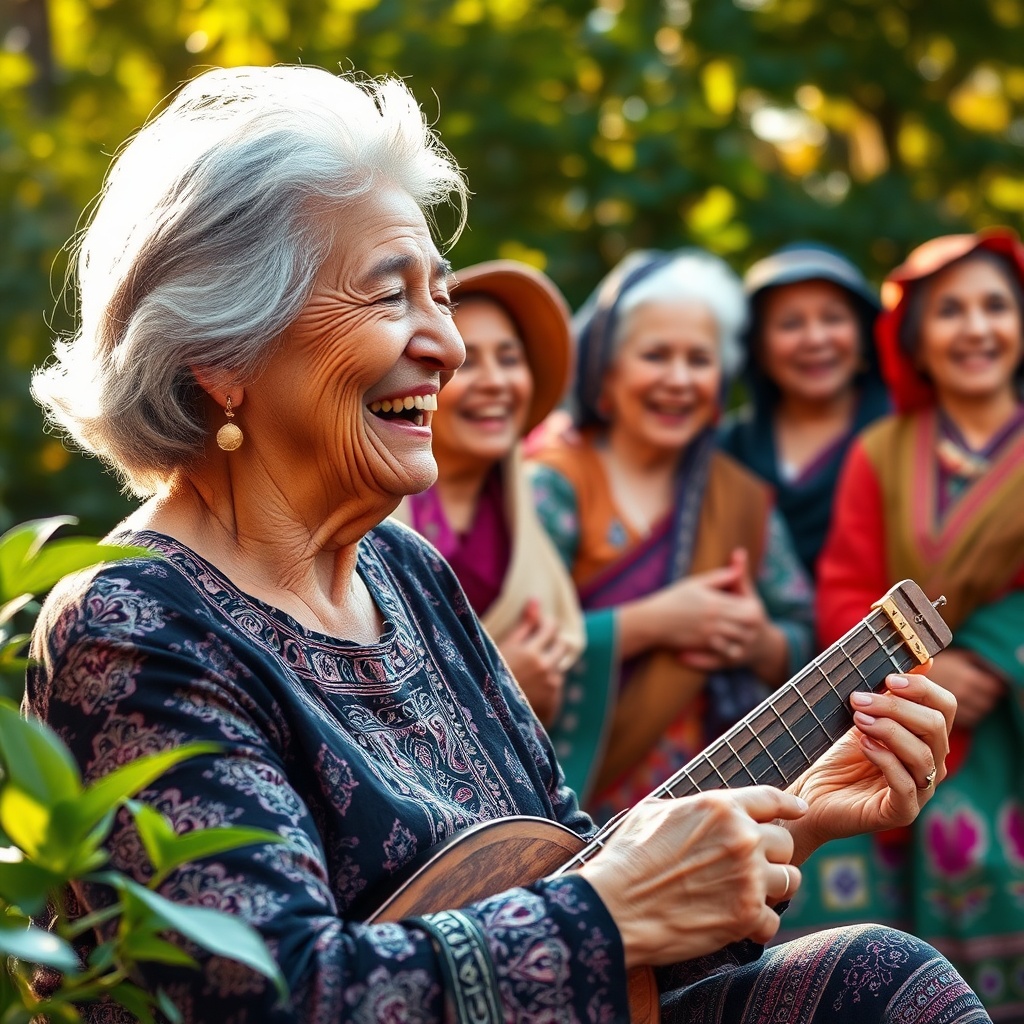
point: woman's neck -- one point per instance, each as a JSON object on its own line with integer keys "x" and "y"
{"x": 308, "y": 571}
{"x": 639, "y": 458}
{"x": 798, "y": 411}
{"x": 979, "y": 420}
{"x": 641, "y": 477}
{"x": 458, "y": 489}
{"x": 804, "y": 429}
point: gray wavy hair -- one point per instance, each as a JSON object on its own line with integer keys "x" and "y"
{"x": 205, "y": 243}
{"x": 693, "y": 275}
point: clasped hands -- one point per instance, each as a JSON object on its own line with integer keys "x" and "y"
{"x": 683, "y": 878}
{"x": 719, "y": 620}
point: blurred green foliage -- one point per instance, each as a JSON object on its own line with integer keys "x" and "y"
{"x": 587, "y": 127}
{"x": 52, "y": 830}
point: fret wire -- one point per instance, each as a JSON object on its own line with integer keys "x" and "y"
{"x": 817, "y": 663}
{"x": 685, "y": 772}
{"x": 856, "y": 664}
{"x": 725, "y": 740}
{"x": 810, "y": 708}
{"x": 863, "y": 639}
{"x": 725, "y": 781}
{"x": 881, "y": 643}
{"x": 785, "y": 725}
{"x": 764, "y": 747}
{"x": 778, "y": 767}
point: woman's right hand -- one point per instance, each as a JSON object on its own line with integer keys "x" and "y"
{"x": 694, "y": 613}
{"x": 977, "y": 689}
{"x": 683, "y": 878}
{"x": 535, "y": 652}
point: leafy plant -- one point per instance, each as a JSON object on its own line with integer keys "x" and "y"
{"x": 52, "y": 829}
{"x": 30, "y": 563}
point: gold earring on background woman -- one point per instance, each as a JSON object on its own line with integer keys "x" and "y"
{"x": 230, "y": 436}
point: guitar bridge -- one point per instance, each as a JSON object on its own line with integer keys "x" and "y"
{"x": 903, "y": 627}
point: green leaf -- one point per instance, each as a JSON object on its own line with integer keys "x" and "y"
{"x": 9, "y": 648}
{"x": 24, "y": 884}
{"x": 11, "y": 608}
{"x": 38, "y": 947}
{"x": 108, "y": 793}
{"x": 219, "y": 933}
{"x": 18, "y": 545}
{"x": 135, "y": 1000}
{"x": 167, "y": 850}
{"x": 167, "y": 1008}
{"x": 61, "y": 557}
{"x": 26, "y": 822}
{"x": 145, "y": 947}
{"x": 35, "y": 760}
{"x": 103, "y": 956}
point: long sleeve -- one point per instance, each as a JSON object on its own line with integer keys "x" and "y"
{"x": 126, "y": 669}
{"x": 852, "y": 567}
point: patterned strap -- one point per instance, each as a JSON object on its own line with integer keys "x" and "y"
{"x": 470, "y": 980}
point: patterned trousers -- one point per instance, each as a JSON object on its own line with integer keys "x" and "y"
{"x": 864, "y": 974}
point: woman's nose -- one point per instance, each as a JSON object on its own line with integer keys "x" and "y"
{"x": 977, "y": 321}
{"x": 438, "y": 344}
{"x": 817, "y": 332}
{"x": 679, "y": 373}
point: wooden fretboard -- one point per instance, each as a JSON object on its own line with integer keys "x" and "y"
{"x": 789, "y": 731}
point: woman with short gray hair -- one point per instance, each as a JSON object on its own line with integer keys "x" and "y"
{"x": 673, "y": 545}
{"x": 265, "y": 325}
{"x": 212, "y": 227}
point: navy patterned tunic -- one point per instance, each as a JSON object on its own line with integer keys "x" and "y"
{"x": 360, "y": 757}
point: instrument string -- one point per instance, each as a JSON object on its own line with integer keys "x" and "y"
{"x": 868, "y": 639}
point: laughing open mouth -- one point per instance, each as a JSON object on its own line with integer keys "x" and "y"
{"x": 415, "y": 409}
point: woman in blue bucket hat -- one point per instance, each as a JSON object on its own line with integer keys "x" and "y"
{"x": 813, "y": 381}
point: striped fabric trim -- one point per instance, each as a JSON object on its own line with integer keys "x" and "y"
{"x": 470, "y": 981}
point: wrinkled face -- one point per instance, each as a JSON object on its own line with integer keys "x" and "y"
{"x": 970, "y": 342}
{"x": 662, "y": 389}
{"x": 482, "y": 413}
{"x": 810, "y": 340}
{"x": 342, "y": 412}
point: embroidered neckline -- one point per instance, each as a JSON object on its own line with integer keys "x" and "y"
{"x": 334, "y": 663}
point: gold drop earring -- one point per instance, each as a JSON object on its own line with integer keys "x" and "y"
{"x": 230, "y": 436}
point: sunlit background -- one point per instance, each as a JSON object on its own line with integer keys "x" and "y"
{"x": 585, "y": 130}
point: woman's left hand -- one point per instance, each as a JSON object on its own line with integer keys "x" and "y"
{"x": 884, "y": 770}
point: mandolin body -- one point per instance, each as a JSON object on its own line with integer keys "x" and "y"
{"x": 489, "y": 858}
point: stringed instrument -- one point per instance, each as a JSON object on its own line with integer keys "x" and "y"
{"x": 772, "y": 745}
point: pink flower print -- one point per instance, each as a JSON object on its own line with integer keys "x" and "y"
{"x": 1012, "y": 828}
{"x": 955, "y": 842}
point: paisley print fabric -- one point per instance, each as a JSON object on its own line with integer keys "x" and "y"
{"x": 843, "y": 976}
{"x": 360, "y": 758}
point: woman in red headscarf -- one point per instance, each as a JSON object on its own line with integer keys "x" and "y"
{"x": 934, "y": 493}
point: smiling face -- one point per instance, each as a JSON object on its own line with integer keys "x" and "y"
{"x": 482, "y": 413}
{"x": 662, "y": 388}
{"x": 341, "y": 412}
{"x": 970, "y": 343}
{"x": 809, "y": 345}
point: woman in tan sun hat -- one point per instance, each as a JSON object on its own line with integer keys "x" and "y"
{"x": 515, "y": 325}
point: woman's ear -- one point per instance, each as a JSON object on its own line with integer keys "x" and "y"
{"x": 218, "y": 387}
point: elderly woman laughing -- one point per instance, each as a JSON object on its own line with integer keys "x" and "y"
{"x": 261, "y": 256}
